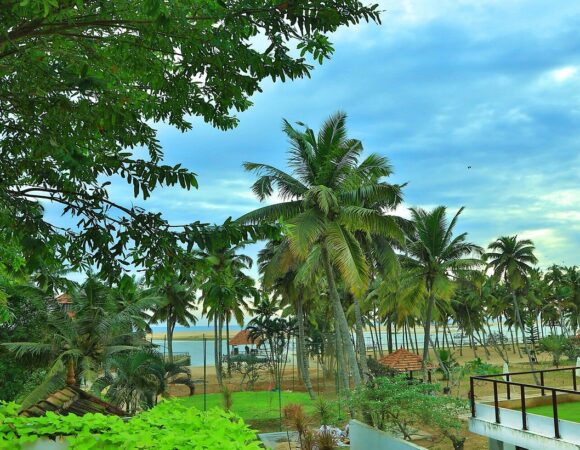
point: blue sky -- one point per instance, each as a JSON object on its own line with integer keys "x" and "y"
{"x": 439, "y": 86}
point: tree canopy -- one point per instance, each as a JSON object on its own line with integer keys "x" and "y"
{"x": 82, "y": 84}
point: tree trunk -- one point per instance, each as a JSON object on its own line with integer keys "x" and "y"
{"x": 427, "y": 327}
{"x": 341, "y": 318}
{"x": 521, "y": 325}
{"x": 301, "y": 354}
{"x": 373, "y": 340}
{"x": 389, "y": 334}
{"x": 342, "y": 372}
{"x": 170, "y": 328}
{"x": 360, "y": 340}
{"x": 415, "y": 336}
{"x": 379, "y": 336}
{"x": 218, "y": 371}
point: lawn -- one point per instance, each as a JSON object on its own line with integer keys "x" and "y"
{"x": 260, "y": 405}
{"x": 566, "y": 411}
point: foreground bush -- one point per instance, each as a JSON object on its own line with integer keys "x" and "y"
{"x": 403, "y": 405}
{"x": 169, "y": 425}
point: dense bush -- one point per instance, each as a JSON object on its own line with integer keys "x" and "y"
{"x": 572, "y": 348}
{"x": 479, "y": 367}
{"x": 169, "y": 425}
{"x": 402, "y": 405}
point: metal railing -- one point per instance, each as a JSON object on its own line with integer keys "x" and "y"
{"x": 522, "y": 388}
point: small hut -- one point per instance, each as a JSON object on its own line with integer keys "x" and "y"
{"x": 403, "y": 361}
{"x": 244, "y": 339}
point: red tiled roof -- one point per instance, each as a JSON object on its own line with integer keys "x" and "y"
{"x": 243, "y": 338}
{"x": 402, "y": 360}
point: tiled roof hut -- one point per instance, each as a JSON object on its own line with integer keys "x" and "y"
{"x": 405, "y": 362}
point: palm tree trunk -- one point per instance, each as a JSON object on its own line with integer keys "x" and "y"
{"x": 360, "y": 340}
{"x": 390, "y": 334}
{"x": 301, "y": 354}
{"x": 220, "y": 343}
{"x": 409, "y": 337}
{"x": 415, "y": 336}
{"x": 521, "y": 325}
{"x": 218, "y": 372}
{"x": 373, "y": 340}
{"x": 427, "y": 327}
{"x": 228, "y": 343}
{"x": 170, "y": 328}
{"x": 341, "y": 368}
{"x": 341, "y": 318}
{"x": 379, "y": 336}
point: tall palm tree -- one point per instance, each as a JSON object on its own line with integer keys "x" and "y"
{"x": 323, "y": 208}
{"x": 176, "y": 307}
{"x": 280, "y": 274}
{"x": 511, "y": 260}
{"x": 435, "y": 254}
{"x": 225, "y": 288}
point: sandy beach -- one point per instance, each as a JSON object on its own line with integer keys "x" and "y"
{"x": 183, "y": 335}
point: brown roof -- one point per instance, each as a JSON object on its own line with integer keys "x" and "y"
{"x": 71, "y": 400}
{"x": 402, "y": 360}
{"x": 243, "y": 338}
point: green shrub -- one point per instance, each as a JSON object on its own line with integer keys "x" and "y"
{"x": 572, "y": 348}
{"x": 478, "y": 367}
{"x": 555, "y": 345}
{"x": 169, "y": 425}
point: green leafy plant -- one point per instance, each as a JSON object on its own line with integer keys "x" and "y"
{"x": 95, "y": 76}
{"x": 169, "y": 425}
{"x": 324, "y": 410}
{"x": 478, "y": 367}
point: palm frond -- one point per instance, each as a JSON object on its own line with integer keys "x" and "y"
{"x": 272, "y": 213}
{"x": 346, "y": 254}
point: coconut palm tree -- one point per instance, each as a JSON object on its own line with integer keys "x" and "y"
{"x": 511, "y": 259}
{"x": 225, "y": 288}
{"x": 435, "y": 254}
{"x": 134, "y": 380}
{"x": 323, "y": 209}
{"x": 280, "y": 275}
{"x": 176, "y": 307}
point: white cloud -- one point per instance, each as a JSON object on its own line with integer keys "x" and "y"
{"x": 563, "y": 74}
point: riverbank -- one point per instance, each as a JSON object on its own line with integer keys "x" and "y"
{"x": 197, "y": 335}
{"x": 183, "y": 335}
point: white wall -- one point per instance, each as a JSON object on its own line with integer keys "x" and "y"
{"x": 365, "y": 437}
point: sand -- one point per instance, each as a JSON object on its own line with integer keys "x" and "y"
{"x": 182, "y": 335}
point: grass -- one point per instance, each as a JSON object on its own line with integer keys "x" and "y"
{"x": 259, "y": 405}
{"x": 566, "y": 411}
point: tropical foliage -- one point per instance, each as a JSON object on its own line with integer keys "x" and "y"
{"x": 168, "y": 425}
{"x": 81, "y": 86}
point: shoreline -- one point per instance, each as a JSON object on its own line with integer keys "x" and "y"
{"x": 194, "y": 335}
{"x": 184, "y": 335}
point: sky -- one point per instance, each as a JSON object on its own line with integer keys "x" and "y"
{"x": 476, "y": 103}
